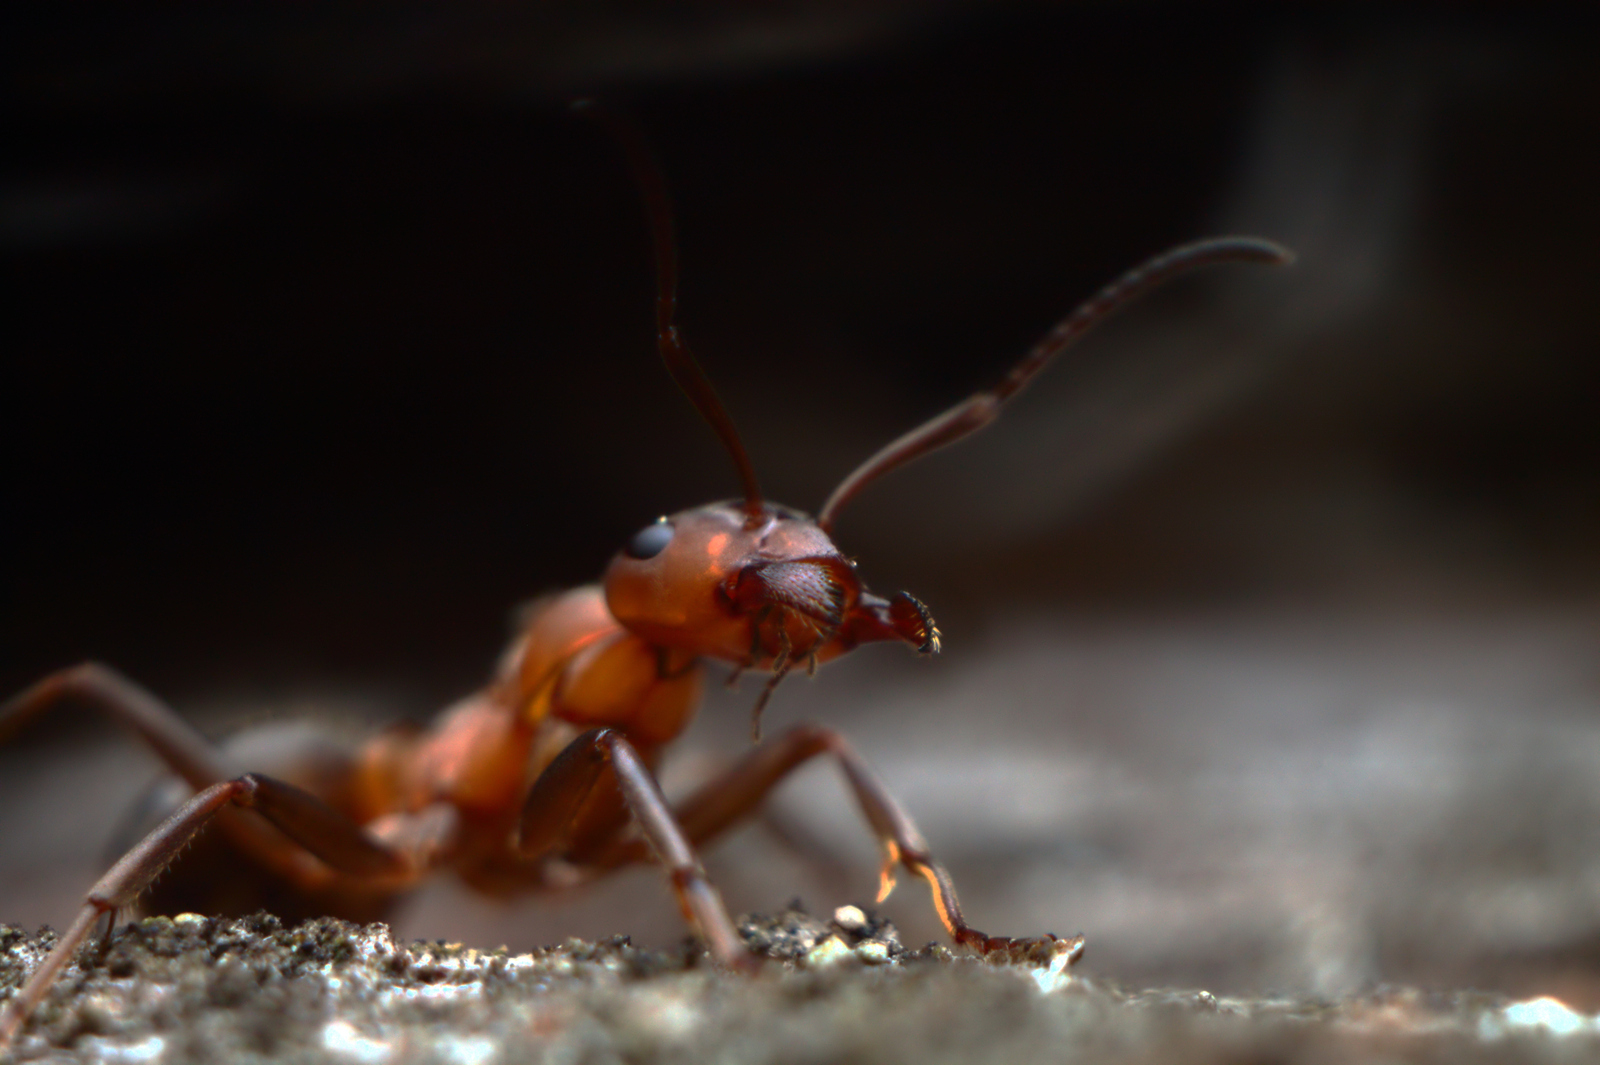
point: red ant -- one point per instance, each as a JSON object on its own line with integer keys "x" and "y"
{"x": 585, "y": 700}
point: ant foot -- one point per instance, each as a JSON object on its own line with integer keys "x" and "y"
{"x": 1056, "y": 952}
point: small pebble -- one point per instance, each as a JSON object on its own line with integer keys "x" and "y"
{"x": 850, "y": 918}
{"x": 830, "y": 951}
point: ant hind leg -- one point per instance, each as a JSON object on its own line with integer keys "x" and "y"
{"x": 338, "y": 843}
{"x": 186, "y": 752}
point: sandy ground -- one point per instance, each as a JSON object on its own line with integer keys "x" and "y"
{"x": 200, "y": 989}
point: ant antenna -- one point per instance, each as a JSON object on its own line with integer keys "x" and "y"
{"x": 674, "y": 351}
{"x": 981, "y": 408}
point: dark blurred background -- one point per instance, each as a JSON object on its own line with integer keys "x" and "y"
{"x": 1270, "y": 614}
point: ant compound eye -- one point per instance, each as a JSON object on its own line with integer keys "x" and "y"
{"x": 649, "y": 541}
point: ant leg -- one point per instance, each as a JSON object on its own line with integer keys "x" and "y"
{"x": 174, "y": 740}
{"x": 738, "y": 792}
{"x": 331, "y": 837}
{"x": 31, "y": 992}
{"x": 562, "y": 791}
{"x": 184, "y": 751}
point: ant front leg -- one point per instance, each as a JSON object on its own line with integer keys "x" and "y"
{"x": 560, "y": 795}
{"x": 341, "y": 845}
{"x": 742, "y": 789}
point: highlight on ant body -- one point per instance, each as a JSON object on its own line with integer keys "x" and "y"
{"x": 547, "y": 774}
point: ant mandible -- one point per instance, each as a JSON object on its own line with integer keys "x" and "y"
{"x": 584, "y": 701}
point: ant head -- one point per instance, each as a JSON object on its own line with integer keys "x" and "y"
{"x": 761, "y": 585}
{"x": 759, "y": 593}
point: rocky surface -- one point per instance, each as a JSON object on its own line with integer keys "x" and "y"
{"x": 253, "y": 990}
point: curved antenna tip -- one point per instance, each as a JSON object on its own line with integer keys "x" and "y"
{"x": 1257, "y": 249}
{"x": 981, "y": 408}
